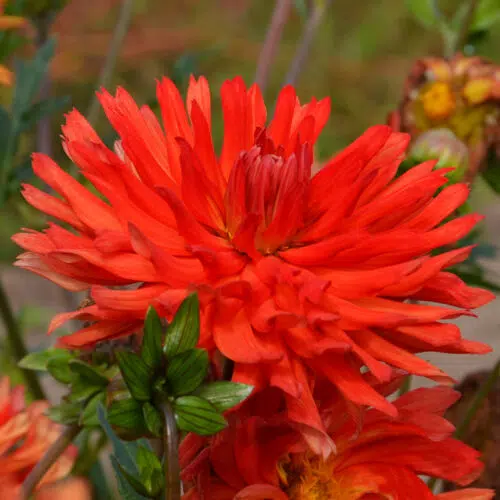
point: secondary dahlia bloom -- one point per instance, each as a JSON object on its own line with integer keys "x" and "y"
{"x": 260, "y": 458}
{"x": 297, "y": 277}
{"x": 25, "y": 435}
{"x": 460, "y": 95}
{"x": 8, "y": 23}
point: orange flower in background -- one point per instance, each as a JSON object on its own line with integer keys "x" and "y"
{"x": 6, "y": 23}
{"x": 256, "y": 459}
{"x": 298, "y": 278}
{"x": 460, "y": 96}
{"x": 25, "y": 435}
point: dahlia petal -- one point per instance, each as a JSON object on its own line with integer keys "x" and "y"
{"x": 77, "y": 128}
{"x": 172, "y": 109}
{"x": 140, "y": 137}
{"x": 465, "y": 346}
{"x": 440, "y": 207}
{"x": 127, "y": 300}
{"x": 262, "y": 443}
{"x": 244, "y": 112}
{"x": 448, "y": 288}
{"x": 98, "y": 332}
{"x": 260, "y": 492}
{"x": 188, "y": 226}
{"x": 32, "y": 262}
{"x": 153, "y": 228}
{"x": 217, "y": 264}
{"x": 430, "y": 400}
{"x": 414, "y": 281}
{"x": 200, "y": 195}
{"x": 383, "y": 350}
{"x": 112, "y": 242}
{"x": 447, "y": 459}
{"x": 127, "y": 265}
{"x": 280, "y": 126}
{"x": 204, "y": 149}
{"x": 351, "y": 384}
{"x": 246, "y": 346}
{"x": 52, "y": 206}
{"x": 92, "y": 211}
{"x": 433, "y": 334}
{"x": 34, "y": 241}
{"x": 380, "y": 480}
{"x": 308, "y": 343}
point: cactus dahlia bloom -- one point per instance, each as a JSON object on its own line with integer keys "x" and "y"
{"x": 256, "y": 459}
{"x": 298, "y": 277}
{"x": 25, "y": 435}
{"x": 460, "y": 96}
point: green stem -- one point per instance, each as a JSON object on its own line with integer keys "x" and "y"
{"x": 115, "y": 45}
{"x": 478, "y": 400}
{"x": 171, "y": 454}
{"x": 280, "y": 15}
{"x": 461, "y": 37}
{"x": 405, "y": 386}
{"x": 51, "y": 455}
{"x": 16, "y": 343}
{"x": 305, "y": 42}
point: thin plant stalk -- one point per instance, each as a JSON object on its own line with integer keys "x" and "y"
{"x": 117, "y": 39}
{"x": 171, "y": 454}
{"x": 48, "y": 460}
{"x": 304, "y": 45}
{"x": 478, "y": 400}
{"x": 274, "y": 33}
{"x": 461, "y": 36}
{"x": 16, "y": 343}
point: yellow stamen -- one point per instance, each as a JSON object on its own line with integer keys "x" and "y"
{"x": 438, "y": 101}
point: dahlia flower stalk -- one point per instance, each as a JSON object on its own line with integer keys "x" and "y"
{"x": 298, "y": 278}
{"x": 25, "y": 435}
{"x": 262, "y": 457}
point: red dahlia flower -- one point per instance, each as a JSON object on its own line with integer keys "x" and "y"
{"x": 298, "y": 278}
{"x": 257, "y": 459}
{"x": 25, "y": 436}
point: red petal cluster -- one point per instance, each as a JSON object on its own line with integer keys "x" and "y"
{"x": 25, "y": 435}
{"x": 302, "y": 281}
{"x": 261, "y": 457}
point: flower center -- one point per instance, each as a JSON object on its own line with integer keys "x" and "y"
{"x": 310, "y": 478}
{"x": 438, "y": 101}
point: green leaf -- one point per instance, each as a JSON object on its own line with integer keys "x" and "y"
{"x": 129, "y": 487}
{"x": 125, "y": 452}
{"x": 184, "y": 330}
{"x": 88, "y": 373}
{"x": 153, "y": 419}
{"x": 423, "y": 11}
{"x": 29, "y": 77}
{"x": 89, "y": 416}
{"x": 492, "y": 173}
{"x": 5, "y": 127}
{"x": 39, "y": 360}
{"x": 223, "y": 395}
{"x": 81, "y": 391}
{"x": 151, "y": 351}
{"x": 194, "y": 414}
{"x": 486, "y": 15}
{"x": 150, "y": 471}
{"x": 186, "y": 371}
{"x": 65, "y": 413}
{"x": 39, "y": 110}
{"x": 136, "y": 374}
{"x": 126, "y": 414}
{"x": 301, "y": 7}
{"x": 60, "y": 370}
